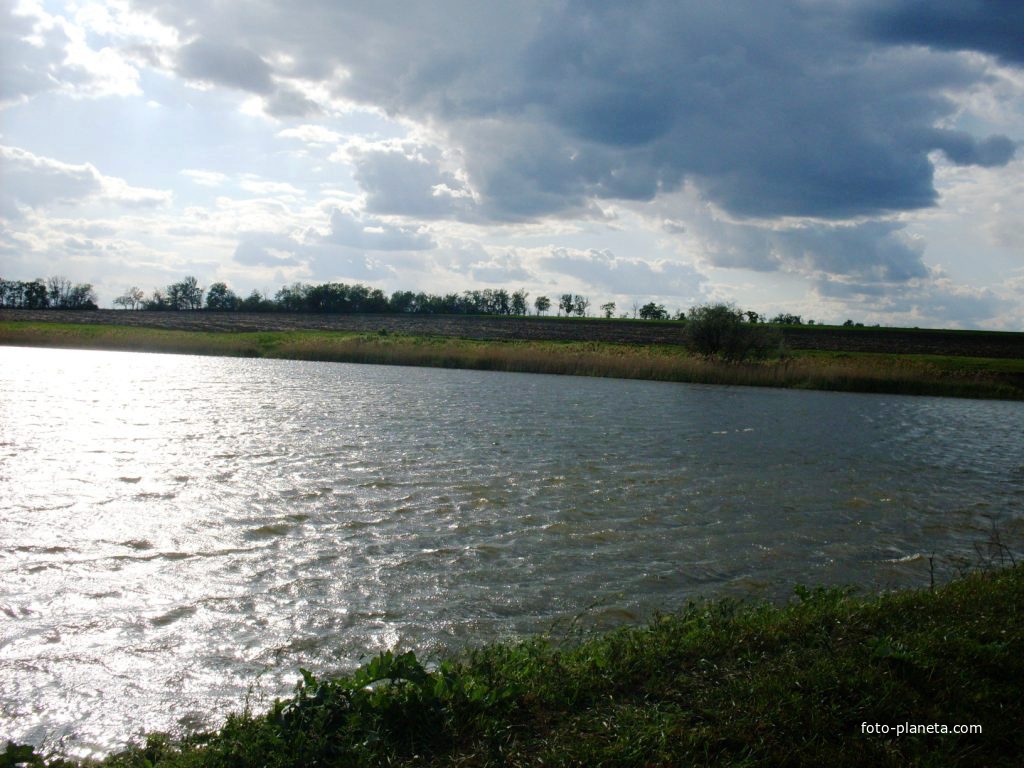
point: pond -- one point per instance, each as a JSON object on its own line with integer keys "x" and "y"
{"x": 179, "y": 533}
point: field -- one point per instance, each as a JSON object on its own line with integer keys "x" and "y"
{"x": 901, "y": 361}
{"x": 903, "y": 341}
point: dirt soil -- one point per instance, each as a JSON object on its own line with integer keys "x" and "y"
{"x": 895, "y": 341}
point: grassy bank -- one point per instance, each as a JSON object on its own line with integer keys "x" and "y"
{"x": 719, "y": 683}
{"x": 855, "y": 372}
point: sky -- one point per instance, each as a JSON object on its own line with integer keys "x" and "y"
{"x": 829, "y": 158}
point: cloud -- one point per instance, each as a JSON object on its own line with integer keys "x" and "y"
{"x": 963, "y": 149}
{"x": 604, "y": 271}
{"x": 502, "y": 269}
{"x": 364, "y": 232}
{"x": 311, "y": 134}
{"x": 43, "y": 52}
{"x": 329, "y": 262}
{"x": 290, "y": 102}
{"x": 78, "y": 244}
{"x": 866, "y": 256}
{"x": 995, "y": 27}
{"x": 205, "y": 178}
{"x": 227, "y": 64}
{"x": 772, "y": 109}
{"x": 934, "y": 300}
{"x": 265, "y": 249}
{"x": 35, "y": 182}
{"x": 258, "y": 186}
{"x": 814, "y": 135}
{"x": 408, "y": 180}
{"x": 876, "y": 251}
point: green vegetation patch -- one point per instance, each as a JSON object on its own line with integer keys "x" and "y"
{"x": 722, "y": 683}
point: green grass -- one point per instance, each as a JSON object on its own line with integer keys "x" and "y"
{"x": 845, "y": 371}
{"x": 719, "y": 683}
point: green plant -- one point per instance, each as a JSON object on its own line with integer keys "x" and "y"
{"x": 721, "y": 330}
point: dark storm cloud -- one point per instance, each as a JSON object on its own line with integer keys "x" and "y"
{"x": 963, "y": 149}
{"x": 770, "y": 109}
{"x": 990, "y": 26}
{"x": 875, "y": 251}
{"x": 864, "y": 253}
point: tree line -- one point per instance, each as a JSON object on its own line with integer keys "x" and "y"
{"x": 340, "y": 298}
{"x": 343, "y": 298}
{"x": 53, "y": 293}
{"x": 336, "y": 298}
{"x": 711, "y": 330}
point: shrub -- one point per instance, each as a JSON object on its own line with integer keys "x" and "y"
{"x": 721, "y": 330}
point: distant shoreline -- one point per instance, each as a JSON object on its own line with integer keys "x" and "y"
{"x": 226, "y": 334}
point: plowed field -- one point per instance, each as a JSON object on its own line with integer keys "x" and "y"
{"x": 885, "y": 340}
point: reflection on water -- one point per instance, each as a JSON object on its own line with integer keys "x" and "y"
{"x": 177, "y": 531}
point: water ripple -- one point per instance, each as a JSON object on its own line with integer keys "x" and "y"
{"x": 176, "y": 531}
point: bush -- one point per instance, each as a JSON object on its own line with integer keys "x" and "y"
{"x": 721, "y": 330}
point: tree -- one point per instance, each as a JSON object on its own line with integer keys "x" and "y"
{"x": 719, "y": 330}
{"x": 186, "y": 294}
{"x": 652, "y": 311}
{"x": 403, "y": 301}
{"x": 81, "y": 296}
{"x": 608, "y": 309}
{"x": 58, "y": 290}
{"x": 35, "y": 295}
{"x": 335, "y": 298}
{"x": 191, "y": 293}
{"x": 130, "y": 299}
{"x": 565, "y": 304}
{"x": 787, "y": 319}
{"x": 542, "y": 304}
{"x": 519, "y": 302}
{"x": 290, "y": 298}
{"x": 579, "y": 305}
{"x": 501, "y": 302}
{"x": 21, "y": 294}
{"x": 220, "y": 298}
{"x": 256, "y": 302}
{"x": 156, "y": 302}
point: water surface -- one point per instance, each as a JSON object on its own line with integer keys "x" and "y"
{"x": 177, "y": 533}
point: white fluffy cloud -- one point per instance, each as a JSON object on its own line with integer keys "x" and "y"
{"x": 31, "y": 181}
{"x": 45, "y": 52}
